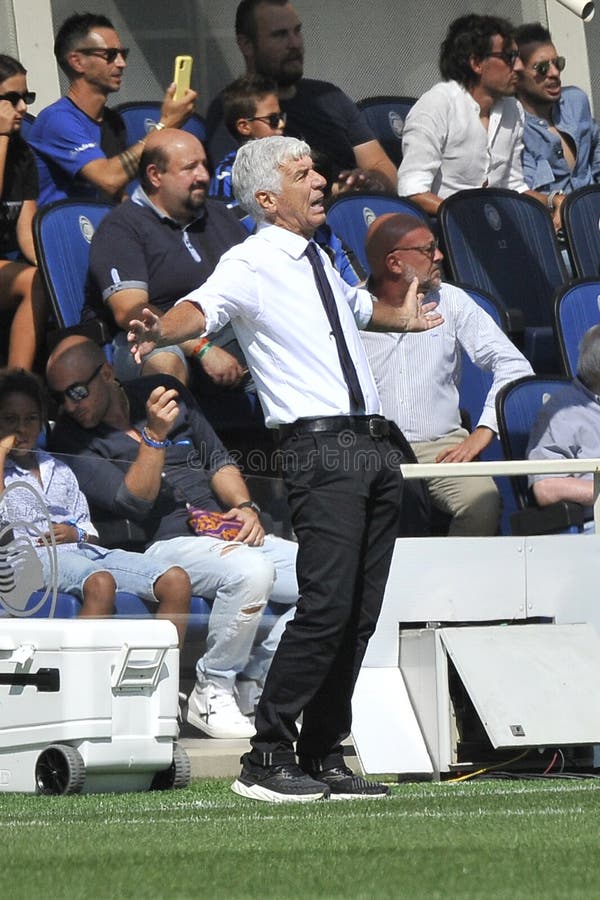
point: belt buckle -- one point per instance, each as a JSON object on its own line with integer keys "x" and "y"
{"x": 378, "y": 428}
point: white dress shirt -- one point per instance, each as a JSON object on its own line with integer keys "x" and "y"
{"x": 418, "y": 375}
{"x": 266, "y": 288}
{"x": 445, "y": 148}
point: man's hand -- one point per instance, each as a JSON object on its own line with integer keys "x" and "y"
{"x": 468, "y": 449}
{"x": 144, "y": 334}
{"x": 222, "y": 367}
{"x": 161, "y": 412}
{"x": 173, "y": 113}
{"x": 251, "y": 532}
{"x": 419, "y": 316}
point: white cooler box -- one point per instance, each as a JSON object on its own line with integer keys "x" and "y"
{"x": 89, "y": 705}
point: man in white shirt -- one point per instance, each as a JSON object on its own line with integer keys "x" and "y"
{"x": 467, "y": 131}
{"x": 286, "y": 303}
{"x": 418, "y": 379}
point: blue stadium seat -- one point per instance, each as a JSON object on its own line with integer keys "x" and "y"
{"x": 138, "y": 118}
{"x": 386, "y": 116}
{"x": 504, "y": 243}
{"x": 580, "y": 214}
{"x": 350, "y": 217}
{"x": 576, "y": 309}
{"x": 474, "y": 386}
{"x": 62, "y": 233}
{"x": 517, "y": 408}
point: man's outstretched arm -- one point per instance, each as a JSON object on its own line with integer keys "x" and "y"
{"x": 180, "y": 323}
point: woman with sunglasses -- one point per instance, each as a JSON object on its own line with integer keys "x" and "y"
{"x": 561, "y": 139}
{"x": 21, "y": 290}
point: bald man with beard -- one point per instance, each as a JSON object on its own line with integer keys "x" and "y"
{"x": 418, "y": 380}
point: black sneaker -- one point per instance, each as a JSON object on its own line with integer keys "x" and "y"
{"x": 345, "y": 785}
{"x": 277, "y": 784}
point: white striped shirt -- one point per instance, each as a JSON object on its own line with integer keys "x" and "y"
{"x": 418, "y": 375}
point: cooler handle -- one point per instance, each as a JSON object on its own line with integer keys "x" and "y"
{"x": 131, "y": 672}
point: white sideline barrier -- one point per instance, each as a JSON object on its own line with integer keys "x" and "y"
{"x": 510, "y": 467}
{"x": 466, "y": 580}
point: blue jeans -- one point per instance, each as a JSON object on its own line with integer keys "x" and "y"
{"x": 135, "y": 573}
{"x": 239, "y": 580}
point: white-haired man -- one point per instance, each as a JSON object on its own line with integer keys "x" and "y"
{"x": 296, "y": 321}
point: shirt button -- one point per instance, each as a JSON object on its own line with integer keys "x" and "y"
{"x": 559, "y": 152}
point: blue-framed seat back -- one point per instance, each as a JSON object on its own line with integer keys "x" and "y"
{"x": 62, "y": 234}
{"x": 580, "y": 214}
{"x": 350, "y": 217}
{"x": 576, "y": 309}
{"x": 138, "y": 118}
{"x": 517, "y": 408}
{"x": 386, "y": 116}
{"x": 504, "y": 243}
{"x": 474, "y": 387}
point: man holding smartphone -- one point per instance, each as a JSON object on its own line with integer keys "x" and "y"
{"x": 79, "y": 142}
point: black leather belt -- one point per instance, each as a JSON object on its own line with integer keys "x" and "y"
{"x": 375, "y": 426}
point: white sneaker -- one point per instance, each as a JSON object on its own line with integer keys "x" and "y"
{"x": 247, "y": 693}
{"x": 215, "y": 712}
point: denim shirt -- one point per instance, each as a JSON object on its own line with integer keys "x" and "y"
{"x": 544, "y": 164}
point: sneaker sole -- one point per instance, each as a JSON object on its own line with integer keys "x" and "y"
{"x": 257, "y": 792}
{"x": 334, "y": 796}
{"x": 212, "y": 732}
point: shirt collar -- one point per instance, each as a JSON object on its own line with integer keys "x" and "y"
{"x": 140, "y": 197}
{"x": 292, "y": 244}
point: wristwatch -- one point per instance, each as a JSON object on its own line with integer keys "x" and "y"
{"x": 249, "y": 504}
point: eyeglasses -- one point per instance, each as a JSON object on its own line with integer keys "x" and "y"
{"x": 14, "y": 97}
{"x": 77, "y": 391}
{"x": 272, "y": 120}
{"x": 543, "y": 66}
{"x": 425, "y": 249}
{"x": 108, "y": 54}
{"x": 509, "y": 56}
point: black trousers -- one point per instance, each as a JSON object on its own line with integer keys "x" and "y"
{"x": 345, "y": 492}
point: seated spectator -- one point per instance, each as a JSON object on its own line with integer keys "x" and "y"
{"x": 269, "y": 35}
{"x": 252, "y": 111}
{"x": 80, "y": 143}
{"x": 568, "y": 427}
{"x": 83, "y": 567}
{"x": 467, "y": 131}
{"x": 145, "y": 451}
{"x": 561, "y": 139}
{"x": 20, "y": 286}
{"x": 159, "y": 247}
{"x": 418, "y": 377}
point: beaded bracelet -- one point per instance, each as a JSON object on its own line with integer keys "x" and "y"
{"x": 158, "y": 445}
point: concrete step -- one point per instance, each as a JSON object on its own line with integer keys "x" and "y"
{"x": 211, "y": 758}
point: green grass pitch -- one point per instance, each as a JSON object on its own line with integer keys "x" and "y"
{"x": 494, "y": 839}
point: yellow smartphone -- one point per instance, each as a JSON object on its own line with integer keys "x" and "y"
{"x": 182, "y": 75}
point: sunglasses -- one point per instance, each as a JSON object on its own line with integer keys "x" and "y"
{"x": 14, "y": 97}
{"x": 425, "y": 249}
{"x": 509, "y": 56}
{"x": 108, "y": 54}
{"x": 543, "y": 67}
{"x": 77, "y": 391}
{"x": 272, "y": 120}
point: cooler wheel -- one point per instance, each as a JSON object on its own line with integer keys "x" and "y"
{"x": 178, "y": 774}
{"x": 60, "y": 769}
